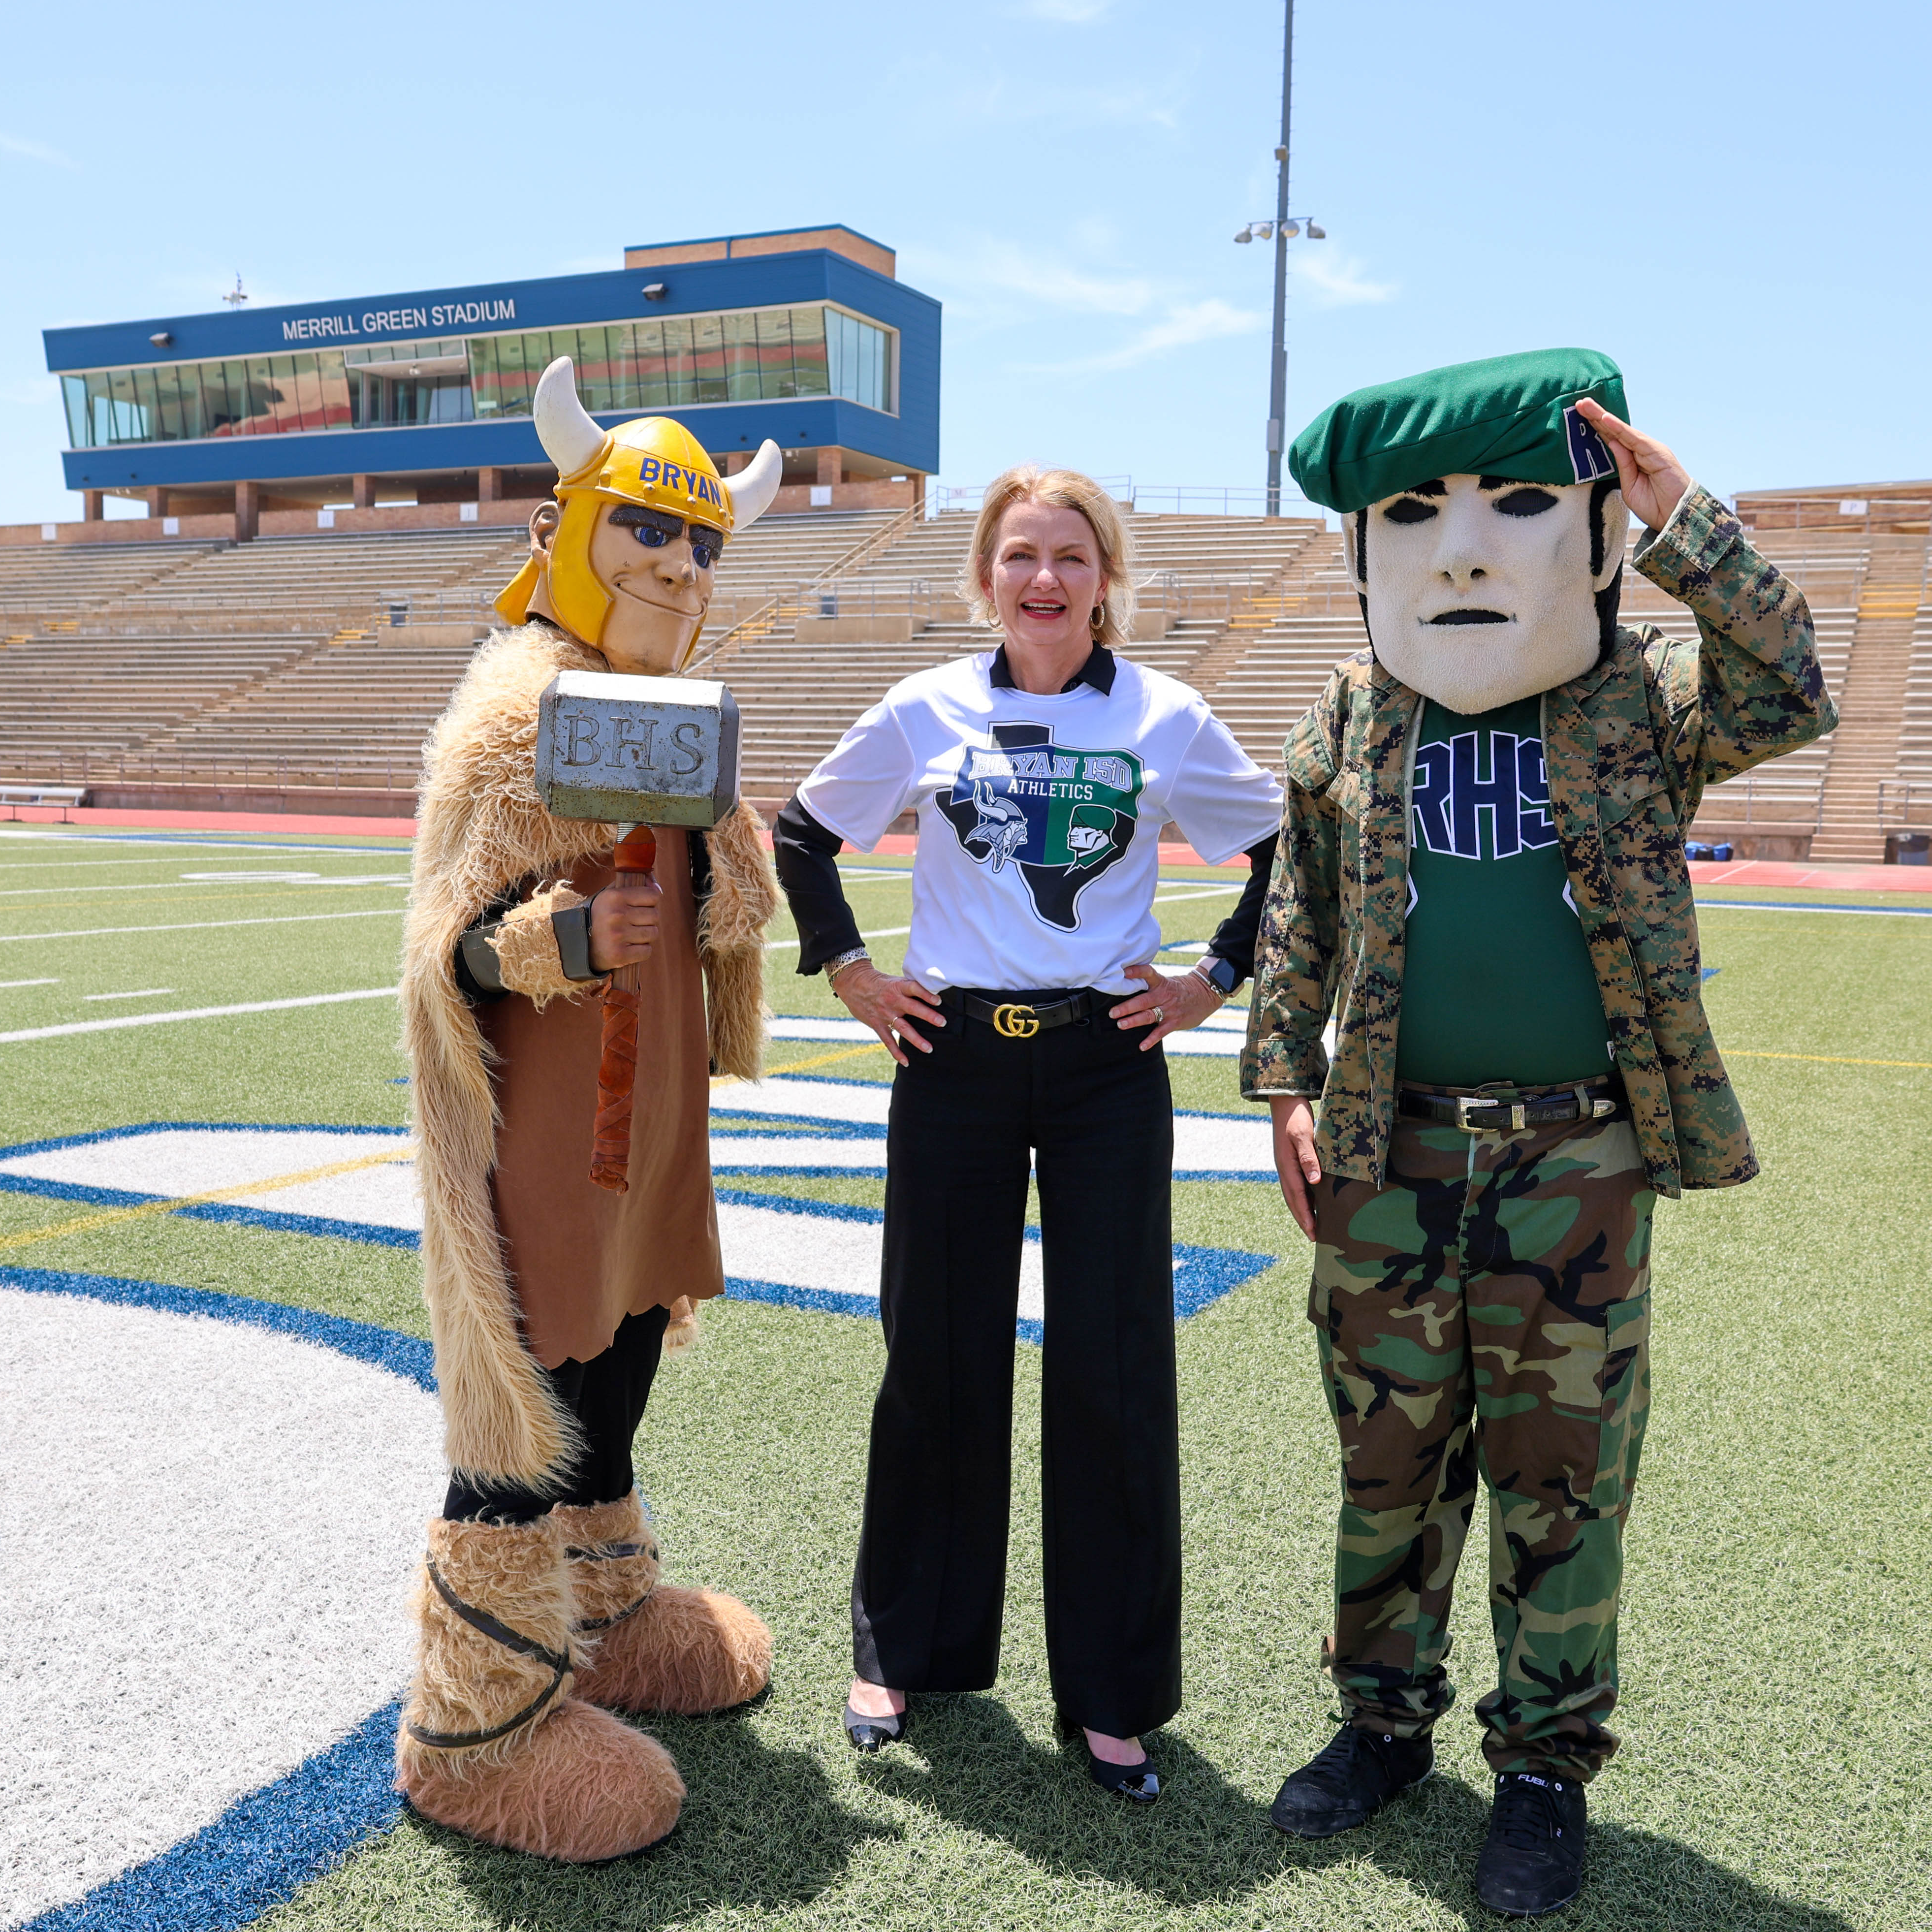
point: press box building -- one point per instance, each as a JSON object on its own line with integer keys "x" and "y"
{"x": 407, "y": 411}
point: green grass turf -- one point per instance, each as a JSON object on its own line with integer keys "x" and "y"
{"x": 1777, "y": 1677}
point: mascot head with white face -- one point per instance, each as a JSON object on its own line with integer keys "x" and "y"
{"x": 1482, "y": 523}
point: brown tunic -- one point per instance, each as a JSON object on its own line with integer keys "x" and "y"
{"x": 580, "y": 1258}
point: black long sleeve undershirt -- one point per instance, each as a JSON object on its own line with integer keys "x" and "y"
{"x": 807, "y": 852}
{"x": 1236, "y": 937}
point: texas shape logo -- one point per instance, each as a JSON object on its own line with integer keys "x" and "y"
{"x": 1058, "y": 816}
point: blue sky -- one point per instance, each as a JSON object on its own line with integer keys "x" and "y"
{"x": 1728, "y": 198}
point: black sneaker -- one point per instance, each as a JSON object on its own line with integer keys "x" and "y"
{"x": 1532, "y": 1860}
{"x": 1349, "y": 1780}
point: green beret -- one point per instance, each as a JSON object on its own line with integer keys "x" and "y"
{"x": 1507, "y": 416}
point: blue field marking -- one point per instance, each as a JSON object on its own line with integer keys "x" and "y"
{"x": 373, "y": 1233}
{"x": 260, "y": 1851}
{"x": 406, "y": 1356}
{"x": 1201, "y": 1276}
{"x": 267, "y": 1844}
{"x": 1801, "y": 905}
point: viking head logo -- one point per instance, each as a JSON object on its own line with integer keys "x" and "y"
{"x": 1001, "y": 828}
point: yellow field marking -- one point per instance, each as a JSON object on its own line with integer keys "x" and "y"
{"x": 109, "y": 1216}
{"x": 800, "y": 1066}
{"x": 1824, "y": 1059}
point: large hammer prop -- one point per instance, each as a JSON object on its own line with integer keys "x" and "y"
{"x": 636, "y": 752}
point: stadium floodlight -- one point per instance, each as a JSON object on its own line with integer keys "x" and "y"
{"x": 238, "y": 294}
{"x": 1274, "y": 228}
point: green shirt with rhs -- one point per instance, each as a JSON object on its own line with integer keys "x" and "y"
{"x": 1498, "y": 984}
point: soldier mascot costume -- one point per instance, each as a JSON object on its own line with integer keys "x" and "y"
{"x": 539, "y": 1606}
{"x": 1482, "y": 874}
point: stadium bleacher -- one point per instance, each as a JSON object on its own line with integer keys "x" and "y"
{"x": 297, "y": 665}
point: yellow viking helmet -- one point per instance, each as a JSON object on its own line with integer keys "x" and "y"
{"x": 651, "y": 460}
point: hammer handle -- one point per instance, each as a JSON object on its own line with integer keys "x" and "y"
{"x": 637, "y": 852}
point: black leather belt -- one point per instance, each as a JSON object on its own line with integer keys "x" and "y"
{"x": 1486, "y": 1113}
{"x": 1020, "y": 1019}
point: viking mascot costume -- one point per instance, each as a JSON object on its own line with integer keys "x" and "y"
{"x": 1482, "y": 875}
{"x": 550, "y": 1296}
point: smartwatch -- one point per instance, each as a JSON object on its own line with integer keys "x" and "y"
{"x": 1219, "y": 973}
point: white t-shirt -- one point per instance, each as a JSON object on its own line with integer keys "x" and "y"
{"x": 1039, "y": 817}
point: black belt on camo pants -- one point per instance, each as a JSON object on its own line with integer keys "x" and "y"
{"x": 1482, "y": 1114}
{"x": 1021, "y": 1019}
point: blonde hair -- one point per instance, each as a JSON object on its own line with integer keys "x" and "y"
{"x": 1065, "y": 490}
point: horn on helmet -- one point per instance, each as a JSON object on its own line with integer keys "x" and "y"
{"x": 571, "y": 438}
{"x": 752, "y": 489}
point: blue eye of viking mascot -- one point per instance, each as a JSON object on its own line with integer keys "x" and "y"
{"x": 1482, "y": 875}
{"x": 552, "y": 1294}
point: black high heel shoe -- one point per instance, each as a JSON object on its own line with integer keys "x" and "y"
{"x": 1138, "y": 1783}
{"x": 870, "y": 1734}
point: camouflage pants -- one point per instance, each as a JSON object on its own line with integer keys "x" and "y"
{"x": 1488, "y": 1310}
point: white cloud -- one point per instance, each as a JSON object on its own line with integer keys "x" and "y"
{"x": 1336, "y": 281}
{"x": 995, "y": 283}
{"x": 1185, "y": 324}
{"x": 34, "y": 151}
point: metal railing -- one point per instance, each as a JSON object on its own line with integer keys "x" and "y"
{"x": 1763, "y": 796}
{"x": 1895, "y": 806}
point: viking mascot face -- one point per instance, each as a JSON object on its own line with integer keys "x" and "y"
{"x": 624, "y": 558}
{"x": 1485, "y": 542}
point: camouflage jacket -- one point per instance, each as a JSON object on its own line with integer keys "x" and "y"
{"x": 1630, "y": 747}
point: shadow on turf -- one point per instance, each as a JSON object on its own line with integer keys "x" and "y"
{"x": 1207, "y": 1841}
{"x": 759, "y": 1828}
{"x": 762, "y": 1828}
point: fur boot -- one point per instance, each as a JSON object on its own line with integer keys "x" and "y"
{"x": 492, "y": 1743}
{"x": 646, "y": 1646}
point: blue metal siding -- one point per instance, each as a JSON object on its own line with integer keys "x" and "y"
{"x": 911, "y": 438}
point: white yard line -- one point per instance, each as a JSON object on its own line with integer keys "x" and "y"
{"x": 7, "y": 984}
{"x": 205, "y": 925}
{"x": 180, "y": 885}
{"x": 79, "y": 837}
{"x": 196, "y": 1013}
{"x": 878, "y": 932}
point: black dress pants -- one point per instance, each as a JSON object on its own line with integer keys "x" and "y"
{"x": 606, "y": 1395}
{"x": 930, "y": 1582}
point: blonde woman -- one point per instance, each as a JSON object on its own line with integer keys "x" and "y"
{"x": 1027, "y": 1027}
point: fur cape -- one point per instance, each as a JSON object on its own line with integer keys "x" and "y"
{"x": 481, "y": 828}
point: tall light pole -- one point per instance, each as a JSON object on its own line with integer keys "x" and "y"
{"x": 1278, "y": 356}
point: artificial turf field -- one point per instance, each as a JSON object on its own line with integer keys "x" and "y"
{"x": 1777, "y": 1681}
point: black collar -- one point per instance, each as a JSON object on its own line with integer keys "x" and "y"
{"x": 1098, "y": 671}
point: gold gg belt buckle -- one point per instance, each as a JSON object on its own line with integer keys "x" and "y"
{"x": 1015, "y": 1021}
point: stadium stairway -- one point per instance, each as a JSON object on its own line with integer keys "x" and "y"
{"x": 1912, "y": 808}
{"x": 1868, "y": 745}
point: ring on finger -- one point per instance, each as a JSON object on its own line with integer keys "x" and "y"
{"x": 1159, "y": 1017}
